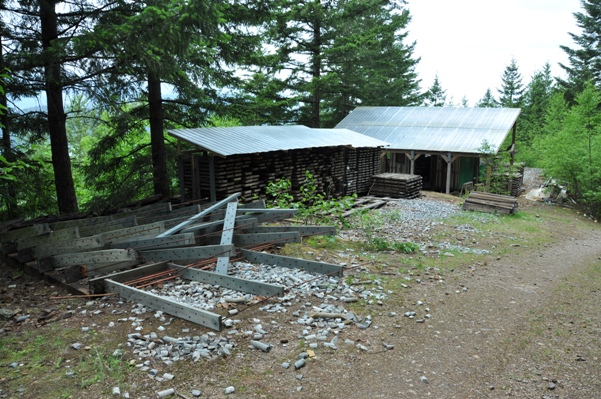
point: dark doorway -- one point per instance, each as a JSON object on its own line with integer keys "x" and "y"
{"x": 423, "y": 167}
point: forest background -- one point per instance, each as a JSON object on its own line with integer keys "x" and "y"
{"x": 117, "y": 73}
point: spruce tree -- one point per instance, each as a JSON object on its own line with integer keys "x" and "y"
{"x": 45, "y": 42}
{"x": 585, "y": 58}
{"x": 512, "y": 88}
{"x": 435, "y": 96}
{"x": 333, "y": 55}
{"x": 488, "y": 100}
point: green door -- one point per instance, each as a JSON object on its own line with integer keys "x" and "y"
{"x": 467, "y": 166}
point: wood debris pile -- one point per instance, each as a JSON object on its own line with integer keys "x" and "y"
{"x": 491, "y": 203}
{"x": 396, "y": 185}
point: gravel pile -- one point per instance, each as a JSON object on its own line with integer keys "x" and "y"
{"x": 419, "y": 210}
{"x": 299, "y": 284}
{"x": 402, "y": 221}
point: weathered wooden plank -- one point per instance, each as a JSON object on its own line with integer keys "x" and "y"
{"x": 484, "y": 208}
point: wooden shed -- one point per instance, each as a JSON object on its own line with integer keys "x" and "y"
{"x": 217, "y": 162}
{"x": 442, "y": 144}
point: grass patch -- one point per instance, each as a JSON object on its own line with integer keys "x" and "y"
{"x": 47, "y": 363}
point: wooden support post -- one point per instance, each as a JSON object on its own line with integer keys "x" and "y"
{"x": 449, "y": 159}
{"x": 212, "y": 178}
{"x": 511, "y": 159}
{"x": 412, "y": 158}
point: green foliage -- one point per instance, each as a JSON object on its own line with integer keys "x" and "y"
{"x": 313, "y": 206}
{"x": 406, "y": 247}
{"x": 7, "y": 169}
{"x": 31, "y": 179}
{"x": 531, "y": 123}
{"x": 279, "y": 194}
{"x": 572, "y": 153}
{"x": 497, "y": 168}
{"x": 369, "y": 223}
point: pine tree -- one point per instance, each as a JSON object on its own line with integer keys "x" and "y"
{"x": 369, "y": 62}
{"x": 585, "y": 58}
{"x": 488, "y": 100}
{"x": 191, "y": 46}
{"x": 334, "y": 55}
{"x": 45, "y": 48}
{"x": 436, "y": 96}
{"x": 536, "y": 102}
{"x": 512, "y": 89}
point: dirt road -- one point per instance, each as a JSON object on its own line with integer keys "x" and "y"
{"x": 526, "y": 326}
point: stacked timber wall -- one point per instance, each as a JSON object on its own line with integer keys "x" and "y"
{"x": 338, "y": 171}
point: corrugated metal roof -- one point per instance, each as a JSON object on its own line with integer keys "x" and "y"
{"x": 227, "y": 141}
{"x": 436, "y": 129}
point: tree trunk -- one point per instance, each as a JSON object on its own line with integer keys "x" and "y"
{"x": 61, "y": 161}
{"x": 316, "y": 100}
{"x": 160, "y": 175}
{"x": 11, "y": 193}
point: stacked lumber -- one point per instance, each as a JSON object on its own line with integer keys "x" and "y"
{"x": 491, "y": 203}
{"x": 338, "y": 171}
{"x": 396, "y": 185}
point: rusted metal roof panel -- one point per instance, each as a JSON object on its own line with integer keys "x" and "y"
{"x": 227, "y": 141}
{"x": 436, "y": 129}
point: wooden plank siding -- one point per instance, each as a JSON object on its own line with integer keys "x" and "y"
{"x": 338, "y": 171}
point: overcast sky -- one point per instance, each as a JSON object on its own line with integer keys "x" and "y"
{"x": 468, "y": 43}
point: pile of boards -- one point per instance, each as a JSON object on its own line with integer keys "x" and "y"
{"x": 396, "y": 185}
{"x": 491, "y": 203}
